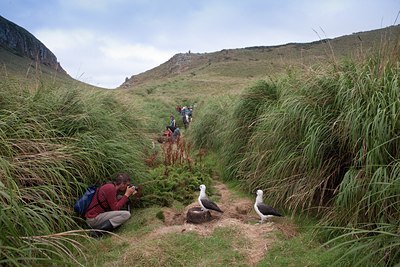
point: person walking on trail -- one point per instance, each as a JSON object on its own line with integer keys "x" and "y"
{"x": 190, "y": 113}
{"x": 185, "y": 116}
{"x": 172, "y": 121}
{"x": 104, "y": 212}
{"x": 184, "y": 111}
{"x": 175, "y": 132}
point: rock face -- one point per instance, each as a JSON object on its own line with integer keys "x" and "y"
{"x": 181, "y": 62}
{"x": 20, "y": 42}
{"x": 176, "y": 65}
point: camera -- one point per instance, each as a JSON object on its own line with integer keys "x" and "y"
{"x": 131, "y": 185}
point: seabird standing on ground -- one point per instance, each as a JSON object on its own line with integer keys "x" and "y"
{"x": 264, "y": 211}
{"x": 205, "y": 203}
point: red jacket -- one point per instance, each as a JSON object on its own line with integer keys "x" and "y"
{"x": 107, "y": 194}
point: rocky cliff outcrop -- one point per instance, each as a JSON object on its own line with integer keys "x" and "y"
{"x": 176, "y": 65}
{"x": 20, "y": 42}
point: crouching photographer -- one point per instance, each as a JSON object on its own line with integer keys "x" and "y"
{"x": 105, "y": 211}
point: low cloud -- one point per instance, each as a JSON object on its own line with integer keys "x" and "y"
{"x": 117, "y": 50}
{"x": 100, "y": 60}
{"x": 103, "y": 42}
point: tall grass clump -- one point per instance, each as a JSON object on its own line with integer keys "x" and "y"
{"x": 54, "y": 142}
{"x": 244, "y": 120}
{"x": 327, "y": 141}
{"x": 368, "y": 197}
{"x": 291, "y": 152}
{"x": 209, "y": 122}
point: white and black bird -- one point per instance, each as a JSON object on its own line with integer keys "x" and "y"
{"x": 205, "y": 203}
{"x": 263, "y": 210}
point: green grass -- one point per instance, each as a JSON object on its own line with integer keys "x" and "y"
{"x": 138, "y": 246}
{"x": 229, "y": 71}
{"x": 366, "y": 245}
{"x": 55, "y": 141}
{"x": 321, "y": 139}
{"x": 27, "y": 73}
{"x": 306, "y": 248}
{"x": 215, "y": 250}
{"x": 301, "y": 250}
{"x": 325, "y": 141}
{"x": 205, "y": 129}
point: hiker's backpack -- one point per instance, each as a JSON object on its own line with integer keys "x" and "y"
{"x": 83, "y": 202}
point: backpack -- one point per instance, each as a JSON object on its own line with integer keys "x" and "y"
{"x": 84, "y": 201}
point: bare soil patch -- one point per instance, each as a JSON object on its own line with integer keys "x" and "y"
{"x": 238, "y": 214}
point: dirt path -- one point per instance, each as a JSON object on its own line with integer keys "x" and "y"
{"x": 239, "y": 214}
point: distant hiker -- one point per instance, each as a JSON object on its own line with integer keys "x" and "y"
{"x": 172, "y": 121}
{"x": 168, "y": 133}
{"x": 104, "y": 212}
{"x": 166, "y": 136}
{"x": 175, "y": 131}
{"x": 185, "y": 116}
{"x": 190, "y": 113}
{"x": 184, "y": 110}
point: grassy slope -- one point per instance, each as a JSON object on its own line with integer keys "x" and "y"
{"x": 188, "y": 79}
{"x": 27, "y": 72}
{"x": 228, "y": 73}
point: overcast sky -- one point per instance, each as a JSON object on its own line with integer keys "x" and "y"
{"x": 103, "y": 41}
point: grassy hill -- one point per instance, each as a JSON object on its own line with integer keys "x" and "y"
{"x": 230, "y": 70}
{"x": 189, "y": 78}
{"x": 193, "y": 75}
{"x": 29, "y": 73}
{"x": 194, "y": 78}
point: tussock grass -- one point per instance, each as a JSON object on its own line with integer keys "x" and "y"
{"x": 205, "y": 130}
{"x": 375, "y": 244}
{"x": 325, "y": 141}
{"x": 303, "y": 249}
{"x": 54, "y": 141}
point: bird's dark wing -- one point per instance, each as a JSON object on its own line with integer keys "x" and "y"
{"x": 267, "y": 210}
{"x": 210, "y": 205}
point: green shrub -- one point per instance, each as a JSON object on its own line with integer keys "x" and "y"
{"x": 166, "y": 184}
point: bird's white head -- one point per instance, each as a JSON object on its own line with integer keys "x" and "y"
{"x": 259, "y": 197}
{"x": 202, "y": 191}
{"x": 259, "y": 193}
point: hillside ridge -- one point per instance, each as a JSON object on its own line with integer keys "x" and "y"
{"x": 310, "y": 52}
{"x": 21, "y": 42}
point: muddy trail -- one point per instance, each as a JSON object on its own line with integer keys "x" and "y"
{"x": 238, "y": 214}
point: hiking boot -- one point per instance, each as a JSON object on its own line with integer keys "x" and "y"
{"x": 105, "y": 226}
